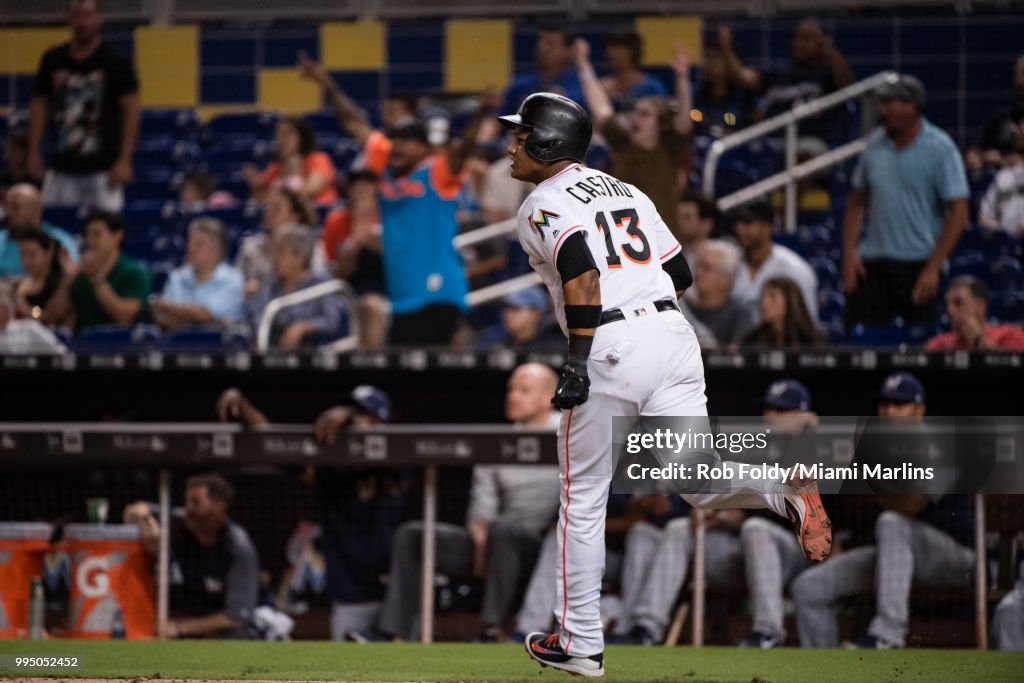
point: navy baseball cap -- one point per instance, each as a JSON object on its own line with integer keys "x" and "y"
{"x": 902, "y": 387}
{"x": 531, "y": 297}
{"x": 787, "y": 394}
{"x": 373, "y": 400}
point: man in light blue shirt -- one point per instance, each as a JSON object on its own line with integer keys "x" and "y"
{"x": 910, "y": 184}
{"x": 23, "y": 210}
{"x": 205, "y": 289}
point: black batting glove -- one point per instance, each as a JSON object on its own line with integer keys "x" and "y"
{"x": 573, "y": 386}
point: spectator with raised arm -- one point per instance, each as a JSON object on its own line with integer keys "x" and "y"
{"x": 418, "y": 200}
{"x": 650, "y": 151}
{"x": 88, "y": 93}
{"x": 108, "y": 287}
{"x": 967, "y": 308}
{"x": 302, "y": 324}
{"x": 817, "y": 69}
{"x": 627, "y": 83}
{"x": 724, "y": 100}
{"x": 297, "y": 165}
{"x": 205, "y": 289}
{"x": 910, "y": 190}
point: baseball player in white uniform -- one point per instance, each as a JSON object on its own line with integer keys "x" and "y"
{"x": 615, "y": 272}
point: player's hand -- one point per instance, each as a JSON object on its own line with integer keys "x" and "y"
{"x": 573, "y": 387}
{"x": 581, "y": 51}
{"x": 926, "y": 287}
{"x": 853, "y": 271}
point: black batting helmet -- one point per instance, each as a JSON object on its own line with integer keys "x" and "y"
{"x": 559, "y": 128}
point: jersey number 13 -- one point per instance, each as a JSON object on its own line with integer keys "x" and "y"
{"x": 628, "y": 219}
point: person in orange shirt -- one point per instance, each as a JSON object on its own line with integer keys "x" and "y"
{"x": 299, "y": 166}
{"x": 352, "y": 247}
{"x": 967, "y": 307}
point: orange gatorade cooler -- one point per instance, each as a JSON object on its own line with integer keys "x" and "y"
{"x": 110, "y": 575}
{"x": 22, "y": 547}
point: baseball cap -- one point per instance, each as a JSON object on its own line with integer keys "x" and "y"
{"x": 410, "y": 129}
{"x": 902, "y": 87}
{"x": 787, "y": 394}
{"x": 758, "y": 210}
{"x": 902, "y": 387}
{"x": 531, "y": 297}
{"x": 373, "y": 400}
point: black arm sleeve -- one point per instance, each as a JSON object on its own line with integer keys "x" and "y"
{"x": 679, "y": 270}
{"x": 574, "y": 258}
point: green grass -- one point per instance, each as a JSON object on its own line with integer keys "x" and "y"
{"x": 309, "y": 661}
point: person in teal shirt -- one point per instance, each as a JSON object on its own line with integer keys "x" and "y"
{"x": 23, "y": 211}
{"x": 109, "y": 288}
{"x": 911, "y": 186}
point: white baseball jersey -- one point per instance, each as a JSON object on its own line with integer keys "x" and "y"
{"x": 647, "y": 364}
{"x": 627, "y": 237}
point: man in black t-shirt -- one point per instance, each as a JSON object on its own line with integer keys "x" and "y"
{"x": 88, "y": 93}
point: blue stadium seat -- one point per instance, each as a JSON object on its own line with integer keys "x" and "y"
{"x": 153, "y": 243}
{"x": 973, "y": 263}
{"x": 1006, "y": 307}
{"x": 826, "y": 270}
{"x": 116, "y": 338}
{"x": 70, "y": 218}
{"x": 325, "y": 122}
{"x": 831, "y": 305}
{"x": 886, "y": 335}
{"x": 235, "y": 337}
{"x": 997, "y": 243}
{"x": 246, "y": 126}
{"x": 1007, "y": 274}
{"x": 158, "y": 187}
{"x": 181, "y": 124}
{"x": 344, "y": 153}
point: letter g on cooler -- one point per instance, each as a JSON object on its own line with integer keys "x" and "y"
{"x": 91, "y": 576}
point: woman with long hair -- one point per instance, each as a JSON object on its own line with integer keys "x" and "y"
{"x": 649, "y": 151}
{"x": 785, "y": 321}
{"x": 45, "y": 263}
{"x": 283, "y": 207}
{"x": 298, "y": 165}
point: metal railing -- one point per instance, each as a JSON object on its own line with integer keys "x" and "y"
{"x": 329, "y": 288}
{"x": 793, "y": 172}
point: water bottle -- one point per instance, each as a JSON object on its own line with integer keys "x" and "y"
{"x": 36, "y": 610}
{"x": 117, "y": 625}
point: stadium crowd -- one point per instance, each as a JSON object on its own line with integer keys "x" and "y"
{"x": 91, "y": 244}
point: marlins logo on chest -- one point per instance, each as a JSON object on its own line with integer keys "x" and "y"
{"x": 543, "y": 220}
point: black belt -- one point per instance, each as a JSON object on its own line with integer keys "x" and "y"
{"x": 614, "y": 315}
